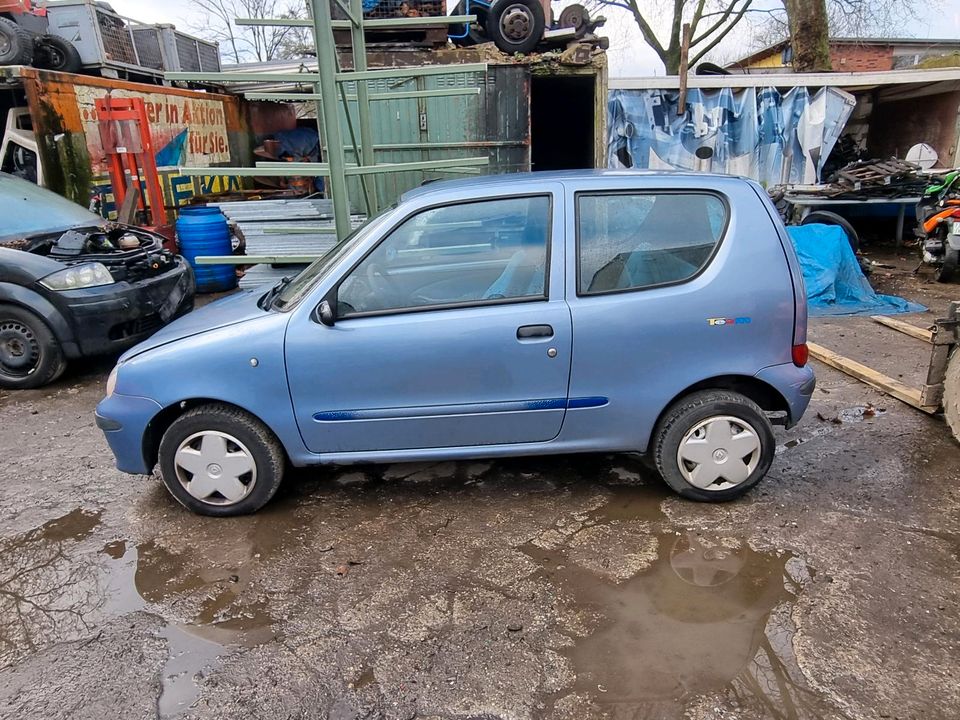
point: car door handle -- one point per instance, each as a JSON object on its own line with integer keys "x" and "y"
{"x": 526, "y": 332}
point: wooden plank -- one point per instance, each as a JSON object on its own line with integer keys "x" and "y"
{"x": 883, "y": 383}
{"x": 906, "y": 328}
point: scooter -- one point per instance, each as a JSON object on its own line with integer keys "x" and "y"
{"x": 938, "y": 220}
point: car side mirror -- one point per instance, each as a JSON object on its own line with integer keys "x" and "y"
{"x": 325, "y": 313}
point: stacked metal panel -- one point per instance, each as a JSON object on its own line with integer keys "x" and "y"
{"x": 284, "y": 228}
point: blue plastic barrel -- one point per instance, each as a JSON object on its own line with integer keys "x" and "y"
{"x": 203, "y": 231}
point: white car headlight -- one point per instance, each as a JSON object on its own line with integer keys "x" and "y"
{"x": 85, "y": 275}
{"x": 112, "y": 381}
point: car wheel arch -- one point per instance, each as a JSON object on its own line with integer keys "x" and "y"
{"x": 762, "y": 393}
{"x": 161, "y": 422}
{"x": 35, "y": 303}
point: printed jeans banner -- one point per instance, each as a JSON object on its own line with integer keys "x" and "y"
{"x": 759, "y": 133}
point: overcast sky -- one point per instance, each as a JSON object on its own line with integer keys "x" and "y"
{"x": 629, "y": 55}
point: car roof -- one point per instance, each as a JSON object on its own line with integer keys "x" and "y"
{"x": 576, "y": 176}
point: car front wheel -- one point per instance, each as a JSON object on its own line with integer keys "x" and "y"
{"x": 30, "y": 355}
{"x": 713, "y": 446}
{"x": 218, "y": 460}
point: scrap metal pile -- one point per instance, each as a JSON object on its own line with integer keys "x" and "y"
{"x": 869, "y": 179}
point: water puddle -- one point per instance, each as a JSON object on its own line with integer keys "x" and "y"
{"x": 55, "y": 587}
{"x": 45, "y": 596}
{"x": 705, "y": 614}
{"x": 827, "y": 423}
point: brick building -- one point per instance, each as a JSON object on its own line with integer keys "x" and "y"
{"x": 852, "y": 55}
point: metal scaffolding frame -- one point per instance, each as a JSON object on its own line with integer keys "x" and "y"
{"x": 329, "y": 82}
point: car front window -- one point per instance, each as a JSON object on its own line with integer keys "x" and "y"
{"x": 308, "y": 277}
{"x": 468, "y": 253}
{"x": 28, "y": 209}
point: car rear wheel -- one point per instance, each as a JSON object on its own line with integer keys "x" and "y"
{"x": 30, "y": 355}
{"x": 713, "y": 446}
{"x": 218, "y": 460}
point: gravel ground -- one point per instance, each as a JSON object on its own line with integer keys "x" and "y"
{"x": 565, "y": 587}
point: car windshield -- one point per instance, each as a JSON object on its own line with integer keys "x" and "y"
{"x": 300, "y": 284}
{"x": 27, "y": 210}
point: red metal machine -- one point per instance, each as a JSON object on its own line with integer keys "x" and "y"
{"x": 125, "y": 137}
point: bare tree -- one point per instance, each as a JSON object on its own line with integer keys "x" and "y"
{"x": 244, "y": 43}
{"x": 710, "y": 22}
{"x": 661, "y": 21}
{"x": 845, "y": 18}
{"x": 809, "y": 35}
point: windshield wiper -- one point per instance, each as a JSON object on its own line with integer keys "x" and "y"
{"x": 267, "y": 300}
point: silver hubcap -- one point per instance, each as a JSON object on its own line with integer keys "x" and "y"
{"x": 215, "y": 468}
{"x": 719, "y": 453}
{"x": 515, "y": 23}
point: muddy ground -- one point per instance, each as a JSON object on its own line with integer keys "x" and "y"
{"x": 566, "y": 587}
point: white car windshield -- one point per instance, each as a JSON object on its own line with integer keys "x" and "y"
{"x": 27, "y": 210}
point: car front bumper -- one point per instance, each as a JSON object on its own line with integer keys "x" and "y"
{"x": 124, "y": 420}
{"x": 114, "y": 317}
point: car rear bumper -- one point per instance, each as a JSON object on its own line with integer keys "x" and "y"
{"x": 112, "y": 318}
{"x": 124, "y": 420}
{"x": 796, "y": 384}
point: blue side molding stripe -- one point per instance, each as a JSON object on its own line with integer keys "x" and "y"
{"x": 586, "y": 402}
{"x": 470, "y": 409}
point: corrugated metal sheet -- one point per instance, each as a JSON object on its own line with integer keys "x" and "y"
{"x": 494, "y": 123}
{"x": 283, "y": 228}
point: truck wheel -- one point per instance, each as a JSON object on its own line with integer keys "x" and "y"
{"x": 56, "y": 53}
{"x": 16, "y": 44}
{"x": 30, "y": 355}
{"x": 218, "y": 460}
{"x": 516, "y": 26}
{"x": 713, "y": 446}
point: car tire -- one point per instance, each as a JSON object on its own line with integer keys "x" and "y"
{"x": 704, "y": 424}
{"x": 56, "y": 53}
{"x": 30, "y": 355}
{"x": 16, "y": 44}
{"x": 825, "y": 217}
{"x": 237, "y": 441}
{"x": 516, "y": 26}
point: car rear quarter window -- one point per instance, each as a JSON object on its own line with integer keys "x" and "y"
{"x": 632, "y": 241}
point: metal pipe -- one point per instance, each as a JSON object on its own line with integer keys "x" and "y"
{"x": 359, "y": 42}
{"x": 283, "y": 169}
{"x": 402, "y": 95}
{"x": 310, "y": 78}
{"x": 330, "y": 124}
{"x": 373, "y": 23}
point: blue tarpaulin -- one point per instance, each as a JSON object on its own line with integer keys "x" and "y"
{"x": 831, "y": 272}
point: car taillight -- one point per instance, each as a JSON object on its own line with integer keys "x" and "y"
{"x": 801, "y": 354}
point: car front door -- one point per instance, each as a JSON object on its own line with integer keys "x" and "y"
{"x": 452, "y": 331}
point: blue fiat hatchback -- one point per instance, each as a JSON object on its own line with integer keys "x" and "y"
{"x": 507, "y": 315}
